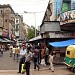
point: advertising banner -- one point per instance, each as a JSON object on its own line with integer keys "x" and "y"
{"x": 1, "y": 31}
{"x": 67, "y": 17}
{"x": 72, "y": 4}
{"x": 65, "y": 7}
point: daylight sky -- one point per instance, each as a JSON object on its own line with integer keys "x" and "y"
{"x": 38, "y": 6}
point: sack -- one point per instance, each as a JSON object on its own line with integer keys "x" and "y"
{"x": 23, "y": 68}
{"x": 43, "y": 62}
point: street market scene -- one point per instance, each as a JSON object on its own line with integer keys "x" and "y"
{"x": 37, "y": 41}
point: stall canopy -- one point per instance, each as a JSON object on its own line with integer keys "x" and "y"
{"x": 7, "y": 40}
{"x": 36, "y": 38}
{"x": 3, "y": 41}
{"x": 62, "y": 43}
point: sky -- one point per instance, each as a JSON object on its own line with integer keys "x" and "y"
{"x": 35, "y": 8}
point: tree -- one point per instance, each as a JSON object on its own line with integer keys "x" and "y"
{"x": 31, "y": 32}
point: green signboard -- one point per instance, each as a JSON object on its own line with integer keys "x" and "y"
{"x": 65, "y": 7}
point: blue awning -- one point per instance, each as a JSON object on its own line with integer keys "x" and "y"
{"x": 63, "y": 43}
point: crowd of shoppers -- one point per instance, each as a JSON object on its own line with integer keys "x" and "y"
{"x": 35, "y": 53}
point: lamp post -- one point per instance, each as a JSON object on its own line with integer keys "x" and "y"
{"x": 34, "y": 18}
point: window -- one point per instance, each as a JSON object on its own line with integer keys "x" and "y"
{"x": 1, "y": 11}
{"x": 68, "y": 52}
{"x": 6, "y": 20}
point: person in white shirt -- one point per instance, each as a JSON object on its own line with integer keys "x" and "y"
{"x": 28, "y": 58}
{"x": 22, "y": 56}
{"x": 51, "y": 61}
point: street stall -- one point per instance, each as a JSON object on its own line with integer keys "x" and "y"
{"x": 60, "y": 49}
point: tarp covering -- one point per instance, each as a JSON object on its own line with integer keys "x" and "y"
{"x": 63, "y": 43}
{"x": 7, "y": 40}
{"x": 36, "y": 38}
{"x": 1, "y": 40}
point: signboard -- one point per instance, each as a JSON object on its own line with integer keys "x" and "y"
{"x": 65, "y": 7}
{"x": 72, "y": 4}
{"x": 60, "y": 35}
{"x": 1, "y": 31}
{"x": 67, "y": 17}
{"x": 5, "y": 33}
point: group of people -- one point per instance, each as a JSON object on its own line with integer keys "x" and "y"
{"x": 27, "y": 55}
{"x": 14, "y": 51}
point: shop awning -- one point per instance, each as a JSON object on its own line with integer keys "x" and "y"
{"x": 62, "y": 43}
{"x": 1, "y": 40}
{"x": 36, "y": 38}
{"x": 7, "y": 40}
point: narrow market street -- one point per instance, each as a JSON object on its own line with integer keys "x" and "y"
{"x": 8, "y": 66}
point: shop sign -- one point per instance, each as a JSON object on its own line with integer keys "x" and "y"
{"x": 60, "y": 35}
{"x": 1, "y": 31}
{"x": 5, "y": 34}
{"x": 67, "y": 17}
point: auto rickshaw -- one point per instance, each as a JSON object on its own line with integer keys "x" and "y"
{"x": 70, "y": 57}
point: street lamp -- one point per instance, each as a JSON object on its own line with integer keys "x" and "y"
{"x": 34, "y": 18}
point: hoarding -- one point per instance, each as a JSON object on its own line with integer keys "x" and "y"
{"x": 65, "y": 7}
{"x": 67, "y": 17}
{"x": 72, "y": 4}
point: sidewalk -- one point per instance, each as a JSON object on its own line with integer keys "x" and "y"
{"x": 43, "y": 71}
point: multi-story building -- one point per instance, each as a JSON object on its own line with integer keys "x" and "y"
{"x": 20, "y": 31}
{"x": 53, "y": 10}
{"x": 58, "y": 23}
{"x": 7, "y": 21}
{"x": 67, "y": 17}
{"x": 26, "y": 28}
{"x": 50, "y": 28}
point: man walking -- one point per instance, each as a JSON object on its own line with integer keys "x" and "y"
{"x": 22, "y": 56}
{"x": 28, "y": 58}
{"x": 35, "y": 56}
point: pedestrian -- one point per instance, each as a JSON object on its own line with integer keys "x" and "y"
{"x": 51, "y": 56}
{"x": 2, "y": 50}
{"x": 22, "y": 56}
{"x": 17, "y": 50}
{"x": 13, "y": 52}
{"x": 46, "y": 55}
{"x": 10, "y": 48}
{"x": 28, "y": 58}
{"x": 35, "y": 57}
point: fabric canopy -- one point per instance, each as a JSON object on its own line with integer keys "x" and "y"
{"x": 7, "y": 40}
{"x": 63, "y": 43}
{"x": 35, "y": 38}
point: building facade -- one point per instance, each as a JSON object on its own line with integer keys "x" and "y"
{"x": 67, "y": 17}
{"x": 20, "y": 31}
{"x": 59, "y": 24}
{"x": 7, "y": 21}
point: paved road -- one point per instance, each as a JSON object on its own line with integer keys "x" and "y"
{"x": 8, "y": 66}
{"x": 7, "y": 62}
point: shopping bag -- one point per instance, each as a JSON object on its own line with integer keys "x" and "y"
{"x": 43, "y": 62}
{"x": 23, "y": 69}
